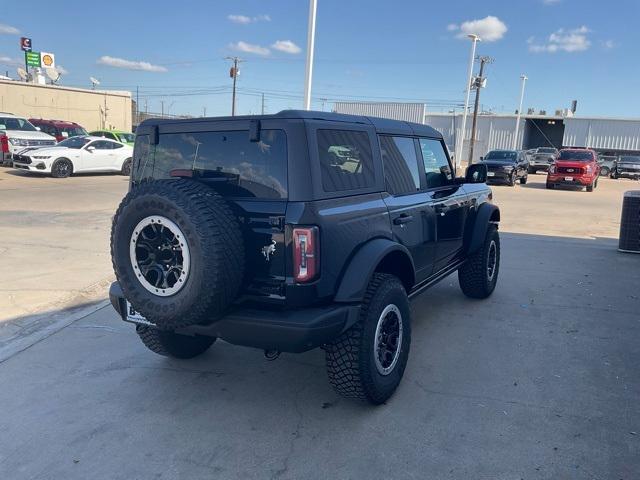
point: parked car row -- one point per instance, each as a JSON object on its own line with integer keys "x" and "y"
{"x": 61, "y": 148}
{"x": 570, "y": 167}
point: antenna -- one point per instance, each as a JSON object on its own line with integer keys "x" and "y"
{"x": 22, "y": 73}
{"x": 53, "y": 74}
{"x": 94, "y": 82}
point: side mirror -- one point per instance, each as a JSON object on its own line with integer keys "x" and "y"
{"x": 481, "y": 158}
{"x": 476, "y": 173}
{"x": 90, "y": 149}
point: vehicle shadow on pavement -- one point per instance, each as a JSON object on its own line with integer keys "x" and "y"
{"x": 538, "y": 381}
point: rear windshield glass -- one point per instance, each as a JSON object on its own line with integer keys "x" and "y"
{"x": 626, "y": 159}
{"x": 546, "y": 150}
{"x": 503, "y": 156}
{"x": 235, "y": 165}
{"x": 10, "y": 123}
{"x": 346, "y": 161}
{"x": 575, "y": 155}
{"x": 127, "y": 137}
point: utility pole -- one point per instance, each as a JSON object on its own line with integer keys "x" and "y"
{"x": 262, "y": 110}
{"x": 474, "y": 41}
{"x": 137, "y": 107}
{"x": 311, "y": 36}
{"x": 478, "y": 83}
{"x": 204, "y": 111}
{"x": 524, "y": 79}
{"x": 162, "y": 108}
{"x": 233, "y": 73}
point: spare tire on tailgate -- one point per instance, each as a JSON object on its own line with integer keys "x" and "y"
{"x": 177, "y": 252}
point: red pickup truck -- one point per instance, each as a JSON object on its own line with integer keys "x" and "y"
{"x": 576, "y": 167}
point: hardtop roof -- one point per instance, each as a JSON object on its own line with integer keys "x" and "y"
{"x": 381, "y": 125}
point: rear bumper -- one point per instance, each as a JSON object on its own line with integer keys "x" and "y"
{"x": 295, "y": 330}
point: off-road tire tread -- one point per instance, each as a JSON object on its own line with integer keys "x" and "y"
{"x": 169, "y": 344}
{"x": 214, "y": 223}
{"x": 348, "y": 371}
{"x": 472, "y": 276}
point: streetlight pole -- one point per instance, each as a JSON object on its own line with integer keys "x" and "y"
{"x": 311, "y": 35}
{"x": 474, "y": 40}
{"x": 524, "y": 79}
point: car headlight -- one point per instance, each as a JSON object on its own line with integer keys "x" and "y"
{"x": 41, "y": 157}
{"x": 19, "y": 141}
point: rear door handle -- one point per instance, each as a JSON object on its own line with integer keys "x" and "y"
{"x": 402, "y": 219}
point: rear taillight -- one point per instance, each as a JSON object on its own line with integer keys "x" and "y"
{"x": 4, "y": 144}
{"x": 306, "y": 256}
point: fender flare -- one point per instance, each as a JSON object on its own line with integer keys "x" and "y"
{"x": 364, "y": 263}
{"x": 487, "y": 213}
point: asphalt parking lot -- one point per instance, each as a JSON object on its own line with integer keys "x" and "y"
{"x": 539, "y": 381}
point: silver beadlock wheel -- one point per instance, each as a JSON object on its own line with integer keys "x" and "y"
{"x": 388, "y": 339}
{"x": 159, "y": 255}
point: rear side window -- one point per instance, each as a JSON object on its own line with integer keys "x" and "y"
{"x": 400, "y": 164}
{"x": 346, "y": 162}
{"x": 235, "y": 165}
{"x": 436, "y": 165}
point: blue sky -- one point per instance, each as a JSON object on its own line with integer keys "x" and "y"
{"x": 370, "y": 50}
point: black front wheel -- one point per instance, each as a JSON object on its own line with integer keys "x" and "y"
{"x": 512, "y": 179}
{"x": 368, "y": 360}
{"x": 61, "y": 168}
{"x": 126, "y": 167}
{"x": 605, "y": 171}
{"x": 171, "y": 344}
{"x": 479, "y": 275}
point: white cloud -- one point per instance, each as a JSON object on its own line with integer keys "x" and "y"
{"x": 12, "y": 62}
{"x": 609, "y": 44}
{"x": 489, "y": 29}
{"x": 245, "y": 20}
{"x": 8, "y": 30}
{"x": 249, "y": 48}
{"x": 130, "y": 64}
{"x": 562, "y": 40}
{"x": 286, "y": 46}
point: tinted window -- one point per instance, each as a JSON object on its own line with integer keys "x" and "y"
{"x": 400, "y": 164}
{"x": 630, "y": 159}
{"x": 581, "y": 156}
{"x": 346, "y": 161}
{"x": 546, "y": 150}
{"x": 74, "y": 131}
{"x": 101, "y": 145}
{"x": 436, "y": 164}
{"x": 11, "y": 123}
{"x": 232, "y": 163}
{"x": 127, "y": 137}
{"x": 502, "y": 155}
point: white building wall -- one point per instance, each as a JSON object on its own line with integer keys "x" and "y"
{"x": 609, "y": 134}
{"x": 409, "y": 112}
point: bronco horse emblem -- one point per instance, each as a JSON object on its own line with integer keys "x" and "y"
{"x": 269, "y": 250}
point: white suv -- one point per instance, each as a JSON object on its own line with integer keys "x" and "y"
{"x": 17, "y": 134}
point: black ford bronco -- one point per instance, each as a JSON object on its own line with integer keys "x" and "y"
{"x": 297, "y": 230}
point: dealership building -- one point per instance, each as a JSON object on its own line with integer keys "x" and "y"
{"x": 612, "y": 136}
{"x": 93, "y": 109}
